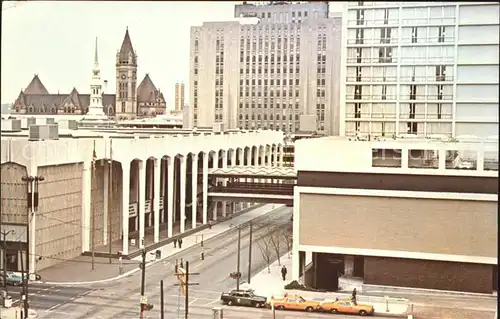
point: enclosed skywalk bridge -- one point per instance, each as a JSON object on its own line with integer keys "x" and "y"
{"x": 253, "y": 184}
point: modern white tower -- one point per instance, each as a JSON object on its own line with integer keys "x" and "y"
{"x": 96, "y": 108}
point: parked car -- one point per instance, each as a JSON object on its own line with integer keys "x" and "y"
{"x": 294, "y": 303}
{"x": 245, "y": 298}
{"x": 346, "y": 306}
{"x": 13, "y": 278}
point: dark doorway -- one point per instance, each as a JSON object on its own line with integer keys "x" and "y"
{"x": 12, "y": 260}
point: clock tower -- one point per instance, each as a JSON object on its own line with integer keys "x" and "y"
{"x": 126, "y": 80}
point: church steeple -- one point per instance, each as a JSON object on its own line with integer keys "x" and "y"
{"x": 96, "y": 55}
{"x": 126, "y": 80}
{"x": 96, "y": 107}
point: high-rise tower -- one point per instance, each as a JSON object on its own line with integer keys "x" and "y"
{"x": 179, "y": 97}
{"x": 126, "y": 80}
{"x": 95, "y": 107}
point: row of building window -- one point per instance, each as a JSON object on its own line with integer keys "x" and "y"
{"x": 270, "y": 106}
{"x": 271, "y": 82}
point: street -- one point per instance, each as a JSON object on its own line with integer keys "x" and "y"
{"x": 120, "y": 299}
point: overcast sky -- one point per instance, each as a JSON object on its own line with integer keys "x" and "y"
{"x": 55, "y": 40}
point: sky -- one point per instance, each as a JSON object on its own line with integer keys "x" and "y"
{"x": 56, "y": 41}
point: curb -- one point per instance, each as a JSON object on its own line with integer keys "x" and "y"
{"x": 153, "y": 262}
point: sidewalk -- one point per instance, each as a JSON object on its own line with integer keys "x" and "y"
{"x": 271, "y": 284}
{"x": 79, "y": 269}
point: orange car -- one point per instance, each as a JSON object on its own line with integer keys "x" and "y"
{"x": 346, "y": 306}
{"x": 294, "y": 303}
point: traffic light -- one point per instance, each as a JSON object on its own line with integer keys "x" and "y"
{"x": 181, "y": 275}
{"x": 146, "y": 307}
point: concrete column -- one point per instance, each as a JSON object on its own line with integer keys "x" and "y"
{"x": 233, "y": 157}
{"x": 151, "y": 173}
{"x": 86, "y": 214}
{"x": 205, "y": 188}
{"x": 194, "y": 189}
{"x": 125, "y": 204}
{"x": 256, "y": 157}
{"x": 216, "y": 165}
{"x": 404, "y": 158}
{"x": 183, "y": 193}
{"x": 170, "y": 196}
{"x": 262, "y": 155}
{"x": 280, "y": 155}
{"x": 348, "y": 265}
{"x": 441, "y": 158}
{"x": 105, "y": 202}
{"x": 163, "y": 183}
{"x": 248, "y": 156}
{"x": 241, "y": 157}
{"x": 142, "y": 202}
{"x": 274, "y": 152}
{"x": 156, "y": 199}
{"x": 224, "y": 165}
{"x": 480, "y": 159}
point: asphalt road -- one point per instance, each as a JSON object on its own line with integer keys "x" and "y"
{"x": 44, "y": 297}
{"x": 120, "y": 299}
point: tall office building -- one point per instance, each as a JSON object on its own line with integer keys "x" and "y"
{"x": 421, "y": 68}
{"x": 179, "y": 97}
{"x": 276, "y": 62}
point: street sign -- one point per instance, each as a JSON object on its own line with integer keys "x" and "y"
{"x": 144, "y": 299}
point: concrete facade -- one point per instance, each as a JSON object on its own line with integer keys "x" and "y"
{"x": 362, "y": 219}
{"x": 274, "y": 64}
{"x": 147, "y": 188}
{"x": 421, "y": 68}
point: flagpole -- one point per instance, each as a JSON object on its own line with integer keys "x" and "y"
{"x": 110, "y": 196}
{"x": 94, "y": 158}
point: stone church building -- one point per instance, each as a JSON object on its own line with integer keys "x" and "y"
{"x": 129, "y": 102}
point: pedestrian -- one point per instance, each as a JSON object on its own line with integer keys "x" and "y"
{"x": 175, "y": 242}
{"x": 209, "y": 224}
{"x": 283, "y": 272}
{"x": 180, "y": 242}
{"x": 354, "y": 292}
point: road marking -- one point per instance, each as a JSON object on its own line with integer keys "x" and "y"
{"x": 212, "y": 302}
{"x": 53, "y": 307}
{"x": 198, "y": 264}
{"x": 206, "y": 291}
{"x": 193, "y": 301}
{"x": 57, "y": 290}
{"x": 223, "y": 251}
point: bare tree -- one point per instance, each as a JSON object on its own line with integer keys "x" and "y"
{"x": 288, "y": 239}
{"x": 275, "y": 239}
{"x": 266, "y": 251}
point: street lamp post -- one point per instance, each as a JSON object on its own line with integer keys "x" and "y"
{"x": 32, "y": 193}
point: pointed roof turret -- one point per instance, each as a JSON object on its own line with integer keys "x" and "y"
{"x": 36, "y": 87}
{"x": 127, "y": 47}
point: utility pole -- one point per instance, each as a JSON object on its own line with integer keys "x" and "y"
{"x": 110, "y": 196}
{"x": 182, "y": 273}
{"x": 186, "y": 306}
{"x": 162, "y": 310}
{"x": 23, "y": 293}
{"x": 250, "y": 254}
{"x": 143, "y": 281}
{"x": 238, "y": 262}
{"x": 94, "y": 158}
